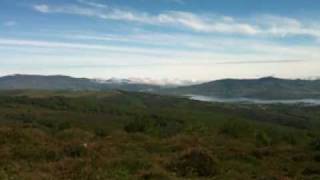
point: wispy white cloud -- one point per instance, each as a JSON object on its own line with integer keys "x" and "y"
{"x": 262, "y": 62}
{"x": 42, "y": 8}
{"x": 204, "y": 44}
{"x": 93, "y": 4}
{"x": 284, "y": 26}
{"x": 220, "y": 24}
{"x": 62, "y": 45}
{"x": 216, "y": 51}
{"x": 266, "y": 25}
{"x": 173, "y": 18}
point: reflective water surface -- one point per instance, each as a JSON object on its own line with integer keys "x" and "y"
{"x": 254, "y": 101}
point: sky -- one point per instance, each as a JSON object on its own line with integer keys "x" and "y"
{"x": 196, "y": 40}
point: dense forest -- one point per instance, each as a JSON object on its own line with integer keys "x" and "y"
{"x": 125, "y": 135}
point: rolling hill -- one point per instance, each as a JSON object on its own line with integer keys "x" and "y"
{"x": 38, "y": 82}
{"x": 15, "y": 82}
{"x": 126, "y": 135}
{"x": 263, "y": 88}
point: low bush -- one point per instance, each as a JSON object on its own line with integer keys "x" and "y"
{"x": 74, "y": 134}
{"x": 236, "y": 129}
{"x": 100, "y": 132}
{"x": 311, "y": 170}
{"x": 316, "y": 157}
{"x": 262, "y": 139}
{"x": 3, "y": 175}
{"x": 315, "y": 144}
{"x": 151, "y": 175}
{"x": 194, "y": 163}
{"x": 156, "y": 126}
{"x": 137, "y": 125}
{"x": 75, "y": 150}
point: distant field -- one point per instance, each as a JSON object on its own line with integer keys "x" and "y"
{"x": 120, "y": 135}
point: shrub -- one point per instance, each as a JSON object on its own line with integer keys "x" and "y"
{"x": 75, "y": 150}
{"x": 290, "y": 138}
{"x": 63, "y": 125}
{"x": 47, "y": 123}
{"x": 316, "y": 157}
{"x": 158, "y": 126}
{"x": 74, "y": 134}
{"x": 262, "y": 152}
{"x": 100, "y": 132}
{"x": 236, "y": 128}
{"x": 3, "y": 175}
{"x": 125, "y": 168}
{"x": 136, "y": 126}
{"x": 195, "y": 162}
{"x": 262, "y": 139}
{"x": 312, "y": 169}
{"x": 152, "y": 175}
{"x": 315, "y": 144}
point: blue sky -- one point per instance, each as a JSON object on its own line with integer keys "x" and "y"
{"x": 161, "y": 39}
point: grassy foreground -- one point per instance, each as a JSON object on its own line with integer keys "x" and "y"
{"x": 121, "y": 135}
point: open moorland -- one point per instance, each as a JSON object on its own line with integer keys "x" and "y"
{"x": 126, "y": 135}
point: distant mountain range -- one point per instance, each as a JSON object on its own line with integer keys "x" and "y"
{"x": 37, "y": 82}
{"x": 264, "y": 88}
{"x": 45, "y": 82}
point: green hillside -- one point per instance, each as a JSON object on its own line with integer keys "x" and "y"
{"x": 121, "y": 135}
{"x": 264, "y": 88}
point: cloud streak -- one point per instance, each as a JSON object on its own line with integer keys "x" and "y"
{"x": 170, "y": 18}
{"x": 261, "y": 62}
{"x": 265, "y": 25}
{"x": 207, "y": 44}
{"x": 216, "y": 51}
{"x": 66, "y": 45}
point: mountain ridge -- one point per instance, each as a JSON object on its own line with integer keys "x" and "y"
{"x": 262, "y": 88}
